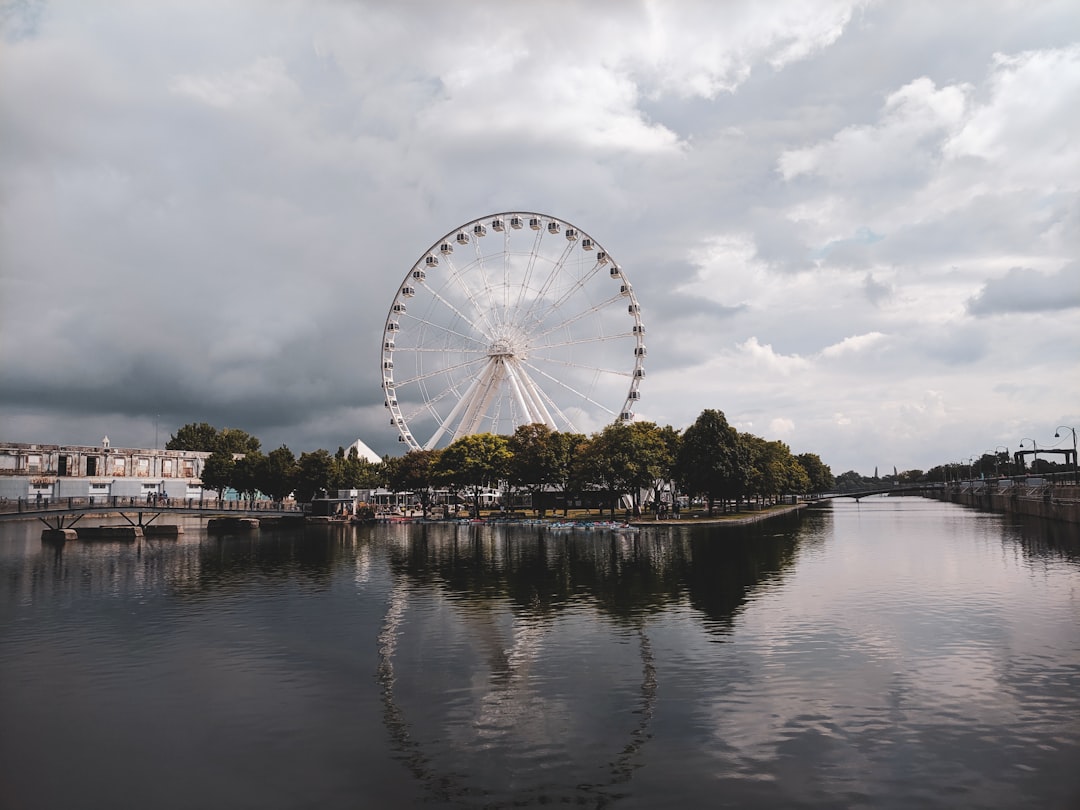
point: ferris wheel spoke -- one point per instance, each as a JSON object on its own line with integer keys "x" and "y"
{"x": 554, "y": 361}
{"x": 584, "y": 341}
{"x": 427, "y": 406}
{"x": 425, "y": 323}
{"x": 482, "y": 313}
{"x": 570, "y": 388}
{"x": 441, "y": 350}
{"x": 579, "y": 285}
{"x": 417, "y": 378}
{"x": 556, "y": 269}
{"x": 485, "y": 285}
{"x": 603, "y": 305}
{"x": 525, "y": 286}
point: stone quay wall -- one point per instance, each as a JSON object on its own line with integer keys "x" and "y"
{"x": 1049, "y": 501}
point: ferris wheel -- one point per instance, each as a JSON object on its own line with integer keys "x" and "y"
{"x": 511, "y": 319}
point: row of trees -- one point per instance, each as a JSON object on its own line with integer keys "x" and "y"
{"x": 988, "y": 465}
{"x": 710, "y": 459}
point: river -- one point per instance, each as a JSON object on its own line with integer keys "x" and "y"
{"x": 893, "y": 653}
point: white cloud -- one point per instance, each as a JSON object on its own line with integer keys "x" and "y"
{"x": 762, "y": 358}
{"x": 263, "y": 81}
{"x": 1024, "y": 129}
{"x": 781, "y": 427}
{"x": 902, "y": 147}
{"x": 853, "y": 345}
{"x": 700, "y": 49}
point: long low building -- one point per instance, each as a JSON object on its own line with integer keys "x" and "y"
{"x": 79, "y": 471}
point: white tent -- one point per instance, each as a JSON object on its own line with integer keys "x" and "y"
{"x": 365, "y": 452}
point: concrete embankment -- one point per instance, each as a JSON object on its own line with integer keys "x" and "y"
{"x": 1047, "y": 502}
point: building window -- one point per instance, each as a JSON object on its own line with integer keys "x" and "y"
{"x": 167, "y": 468}
{"x": 187, "y": 469}
{"x": 118, "y": 468}
{"x": 143, "y": 468}
{"x": 33, "y": 464}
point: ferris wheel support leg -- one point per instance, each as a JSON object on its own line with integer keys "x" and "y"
{"x": 519, "y": 396}
{"x": 450, "y": 420}
{"x": 537, "y": 410}
{"x": 477, "y": 405}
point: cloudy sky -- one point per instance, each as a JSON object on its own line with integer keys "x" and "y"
{"x": 853, "y": 226}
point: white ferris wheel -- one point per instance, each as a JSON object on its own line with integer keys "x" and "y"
{"x": 511, "y": 319}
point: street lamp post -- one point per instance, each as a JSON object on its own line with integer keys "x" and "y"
{"x": 997, "y": 458}
{"x": 1035, "y": 447}
{"x": 1076, "y": 473}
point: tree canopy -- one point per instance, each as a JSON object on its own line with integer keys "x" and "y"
{"x": 711, "y": 460}
{"x": 475, "y": 462}
{"x": 204, "y": 437}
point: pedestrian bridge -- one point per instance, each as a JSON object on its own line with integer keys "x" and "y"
{"x": 891, "y": 489}
{"x": 64, "y": 513}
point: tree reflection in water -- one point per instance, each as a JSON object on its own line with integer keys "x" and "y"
{"x": 516, "y": 592}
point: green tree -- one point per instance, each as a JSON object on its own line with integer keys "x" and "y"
{"x": 820, "y": 476}
{"x": 217, "y": 472}
{"x": 248, "y": 473}
{"x": 672, "y": 440}
{"x": 852, "y": 481}
{"x": 473, "y": 463}
{"x": 415, "y": 472}
{"x": 711, "y": 461}
{"x": 237, "y": 441}
{"x": 773, "y": 470}
{"x": 567, "y": 449}
{"x": 204, "y": 437}
{"x": 534, "y": 461}
{"x": 651, "y": 457}
{"x": 201, "y": 437}
{"x": 278, "y": 474}
{"x": 352, "y": 472}
{"x": 625, "y": 458}
{"x": 313, "y": 475}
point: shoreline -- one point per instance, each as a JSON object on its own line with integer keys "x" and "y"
{"x": 734, "y": 519}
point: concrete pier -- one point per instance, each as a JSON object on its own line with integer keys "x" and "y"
{"x": 59, "y": 535}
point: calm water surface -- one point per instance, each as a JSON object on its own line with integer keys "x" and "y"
{"x": 894, "y": 653}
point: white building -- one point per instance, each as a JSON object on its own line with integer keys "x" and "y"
{"x": 79, "y": 471}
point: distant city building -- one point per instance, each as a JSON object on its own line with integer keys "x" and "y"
{"x": 78, "y": 471}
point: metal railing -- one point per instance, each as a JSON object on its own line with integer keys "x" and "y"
{"x": 108, "y": 503}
